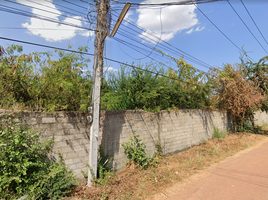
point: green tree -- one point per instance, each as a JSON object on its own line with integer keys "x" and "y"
{"x": 36, "y": 81}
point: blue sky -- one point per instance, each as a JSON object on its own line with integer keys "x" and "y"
{"x": 184, "y": 27}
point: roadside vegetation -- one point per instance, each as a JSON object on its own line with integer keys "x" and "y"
{"x": 42, "y": 81}
{"x": 137, "y": 182}
{"x": 25, "y": 168}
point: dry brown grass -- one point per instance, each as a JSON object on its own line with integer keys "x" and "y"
{"x": 135, "y": 183}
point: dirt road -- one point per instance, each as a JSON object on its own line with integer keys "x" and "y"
{"x": 243, "y": 177}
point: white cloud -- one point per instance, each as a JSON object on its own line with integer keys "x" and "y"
{"x": 196, "y": 29}
{"x": 109, "y": 69}
{"x": 61, "y": 32}
{"x": 190, "y": 31}
{"x": 199, "y": 29}
{"x": 127, "y": 17}
{"x": 174, "y": 19}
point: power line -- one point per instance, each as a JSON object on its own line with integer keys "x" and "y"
{"x": 130, "y": 45}
{"x": 45, "y": 29}
{"x": 162, "y": 46}
{"x": 73, "y": 4}
{"x": 220, "y": 30}
{"x": 91, "y": 54}
{"x": 134, "y": 40}
{"x": 186, "y": 55}
{"x": 24, "y": 13}
{"x": 87, "y": 2}
{"x": 187, "y": 2}
{"x": 55, "y": 8}
{"x": 129, "y": 38}
{"x": 159, "y": 39}
{"x": 64, "y": 6}
{"x": 44, "y": 10}
{"x": 254, "y": 21}
{"x": 246, "y": 26}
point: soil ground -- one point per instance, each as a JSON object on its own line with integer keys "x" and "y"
{"x": 243, "y": 176}
{"x": 188, "y": 171}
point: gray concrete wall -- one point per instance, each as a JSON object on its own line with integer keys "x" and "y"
{"x": 260, "y": 118}
{"x": 70, "y": 131}
{"x": 175, "y": 131}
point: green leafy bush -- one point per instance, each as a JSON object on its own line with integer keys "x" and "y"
{"x": 131, "y": 89}
{"x": 246, "y": 127}
{"x": 36, "y": 81}
{"x": 136, "y": 151}
{"x": 25, "y": 168}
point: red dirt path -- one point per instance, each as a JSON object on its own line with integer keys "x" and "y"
{"x": 244, "y": 177}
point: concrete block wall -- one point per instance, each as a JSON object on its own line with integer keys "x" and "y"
{"x": 175, "y": 131}
{"x": 260, "y": 118}
{"x": 118, "y": 126}
{"x": 70, "y": 131}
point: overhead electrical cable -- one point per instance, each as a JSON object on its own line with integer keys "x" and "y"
{"x": 131, "y": 44}
{"x": 146, "y": 37}
{"x": 187, "y": 2}
{"x": 152, "y": 49}
{"x": 91, "y": 54}
{"x": 24, "y": 13}
{"x": 87, "y": 2}
{"x": 136, "y": 49}
{"x": 63, "y": 6}
{"x": 45, "y": 10}
{"x": 254, "y": 21}
{"x": 247, "y": 26}
{"x": 220, "y": 30}
{"x": 157, "y": 40}
{"x": 159, "y": 37}
{"x": 73, "y": 4}
{"x": 133, "y": 47}
{"x": 56, "y": 8}
{"x": 163, "y": 47}
{"x": 45, "y": 29}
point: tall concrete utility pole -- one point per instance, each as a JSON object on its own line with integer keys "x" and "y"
{"x": 101, "y": 33}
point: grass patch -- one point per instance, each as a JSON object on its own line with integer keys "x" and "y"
{"x": 137, "y": 183}
{"x": 218, "y": 134}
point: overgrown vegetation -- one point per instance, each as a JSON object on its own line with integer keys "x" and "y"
{"x": 237, "y": 94}
{"x": 131, "y": 89}
{"x": 38, "y": 82}
{"x": 25, "y": 168}
{"x": 135, "y": 150}
{"x": 257, "y": 72}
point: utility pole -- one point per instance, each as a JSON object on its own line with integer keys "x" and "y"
{"x": 101, "y": 33}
